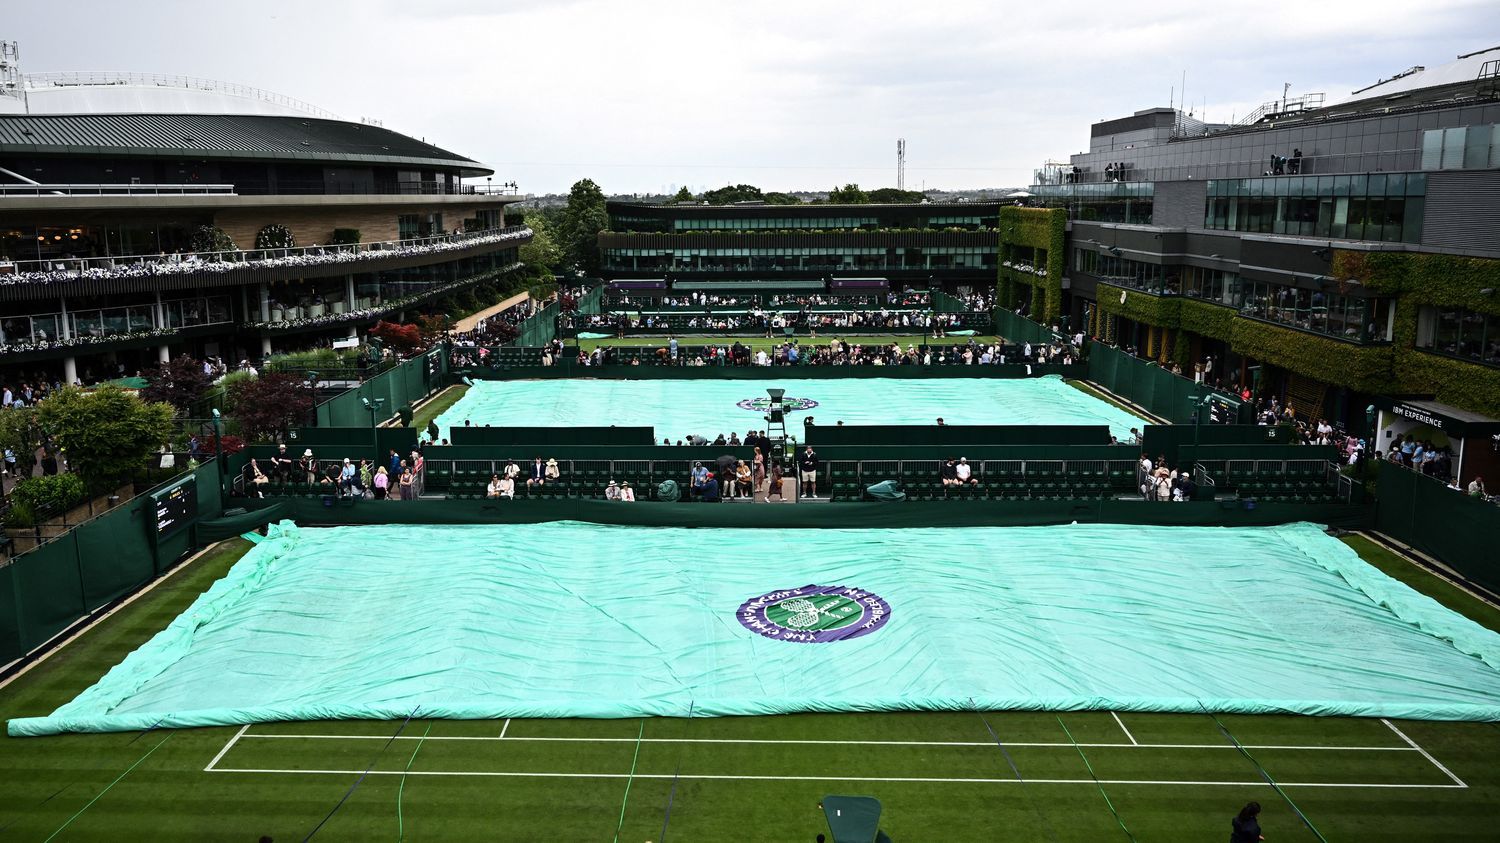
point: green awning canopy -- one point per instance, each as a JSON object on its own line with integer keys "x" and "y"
{"x": 852, "y": 819}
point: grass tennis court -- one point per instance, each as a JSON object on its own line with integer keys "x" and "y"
{"x": 942, "y": 776}
{"x": 678, "y": 408}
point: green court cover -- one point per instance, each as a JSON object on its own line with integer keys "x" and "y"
{"x": 578, "y": 620}
{"x": 680, "y": 408}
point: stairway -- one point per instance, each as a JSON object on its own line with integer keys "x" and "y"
{"x": 1305, "y": 396}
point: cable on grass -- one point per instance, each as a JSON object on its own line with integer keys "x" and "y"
{"x": 672, "y": 794}
{"x": 362, "y": 776}
{"x": 626, "y": 800}
{"x": 77, "y": 779}
{"x": 400, "y": 823}
{"x": 1097, "y": 783}
{"x": 107, "y": 787}
{"x": 1030, "y": 797}
{"x": 1263, "y": 773}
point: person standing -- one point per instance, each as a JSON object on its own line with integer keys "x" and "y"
{"x": 382, "y": 483}
{"x": 309, "y": 467}
{"x": 1245, "y": 827}
{"x": 758, "y": 472}
{"x": 408, "y": 491}
{"x": 807, "y": 466}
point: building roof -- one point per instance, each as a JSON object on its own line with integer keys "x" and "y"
{"x": 220, "y": 136}
{"x": 1464, "y": 69}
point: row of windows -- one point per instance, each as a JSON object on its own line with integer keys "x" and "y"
{"x": 804, "y": 251}
{"x": 1100, "y": 190}
{"x": 1368, "y": 184}
{"x": 109, "y": 321}
{"x": 798, "y": 259}
{"x": 643, "y": 224}
{"x": 1333, "y": 314}
{"x": 1461, "y": 148}
{"x": 1396, "y": 219}
{"x": 1461, "y": 333}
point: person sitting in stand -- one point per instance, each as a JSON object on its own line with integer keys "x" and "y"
{"x": 612, "y": 491}
{"x": 949, "y": 473}
{"x": 508, "y": 486}
{"x": 710, "y": 492}
{"x": 627, "y": 494}
{"x": 1476, "y": 487}
{"x": 744, "y": 484}
{"x": 964, "y": 473}
{"x": 537, "y": 475}
{"x": 493, "y": 489}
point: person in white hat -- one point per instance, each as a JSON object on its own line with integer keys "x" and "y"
{"x": 612, "y": 491}
{"x": 309, "y": 467}
{"x": 627, "y": 494}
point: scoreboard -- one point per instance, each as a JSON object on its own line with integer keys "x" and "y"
{"x": 176, "y": 508}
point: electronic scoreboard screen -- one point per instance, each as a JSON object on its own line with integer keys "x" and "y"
{"x": 176, "y": 508}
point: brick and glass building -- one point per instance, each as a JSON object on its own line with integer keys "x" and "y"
{"x": 1337, "y": 256}
{"x": 143, "y": 216}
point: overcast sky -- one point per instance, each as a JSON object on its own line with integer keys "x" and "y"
{"x": 646, "y": 96}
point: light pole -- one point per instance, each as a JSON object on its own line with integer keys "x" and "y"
{"x": 374, "y": 408}
{"x": 312, "y": 388}
{"x": 219, "y": 446}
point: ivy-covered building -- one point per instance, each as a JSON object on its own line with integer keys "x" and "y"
{"x": 1336, "y": 256}
{"x": 143, "y": 216}
{"x": 948, "y": 246}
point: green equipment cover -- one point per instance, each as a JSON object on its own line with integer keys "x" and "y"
{"x": 886, "y": 490}
{"x": 579, "y": 620}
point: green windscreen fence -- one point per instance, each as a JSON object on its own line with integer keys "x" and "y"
{"x": 401, "y": 386}
{"x": 1162, "y": 393}
{"x": 958, "y": 435}
{"x": 540, "y": 328}
{"x": 1460, "y": 531}
{"x": 580, "y": 620}
{"x": 46, "y": 590}
{"x": 1019, "y": 329}
{"x": 470, "y": 435}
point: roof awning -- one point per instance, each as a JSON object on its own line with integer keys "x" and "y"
{"x": 1450, "y": 420}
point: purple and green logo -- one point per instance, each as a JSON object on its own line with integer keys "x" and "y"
{"x": 763, "y": 405}
{"x": 815, "y": 614}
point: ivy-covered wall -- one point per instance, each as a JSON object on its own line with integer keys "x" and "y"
{"x": 1413, "y": 280}
{"x": 1423, "y": 280}
{"x": 1036, "y": 228}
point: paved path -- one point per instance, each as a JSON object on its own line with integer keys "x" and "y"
{"x": 468, "y": 323}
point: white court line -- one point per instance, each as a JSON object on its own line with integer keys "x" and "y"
{"x": 828, "y": 778}
{"x": 1123, "y": 729}
{"x": 503, "y": 729}
{"x": 237, "y": 735}
{"x": 838, "y": 743}
{"x": 1425, "y": 754}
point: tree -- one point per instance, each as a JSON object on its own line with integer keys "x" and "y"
{"x": 733, "y": 193}
{"x": 542, "y": 255}
{"x": 180, "y": 382}
{"x": 108, "y": 432}
{"x": 269, "y": 405}
{"x": 582, "y": 220}
{"x": 21, "y": 433}
{"x": 683, "y": 195}
{"x": 401, "y": 338}
{"x": 894, "y": 196}
{"x": 849, "y": 194}
{"x": 782, "y": 199}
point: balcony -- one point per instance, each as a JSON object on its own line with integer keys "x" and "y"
{"x": 133, "y": 273}
{"x": 9, "y": 190}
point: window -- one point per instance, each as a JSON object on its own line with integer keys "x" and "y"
{"x": 1463, "y": 334}
{"x": 1461, "y": 148}
{"x": 1381, "y": 206}
{"x": 408, "y": 226}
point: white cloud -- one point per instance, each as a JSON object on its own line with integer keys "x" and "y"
{"x": 643, "y": 95}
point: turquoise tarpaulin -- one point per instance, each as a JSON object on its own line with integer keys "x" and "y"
{"x": 680, "y": 408}
{"x": 577, "y": 620}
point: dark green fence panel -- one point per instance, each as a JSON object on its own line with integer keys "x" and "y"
{"x": 11, "y": 647}
{"x": 1457, "y": 530}
{"x": 957, "y": 435}
{"x": 51, "y": 590}
{"x": 114, "y": 555}
{"x": 552, "y": 436}
{"x": 1161, "y": 393}
{"x": 1018, "y": 328}
{"x": 567, "y": 369}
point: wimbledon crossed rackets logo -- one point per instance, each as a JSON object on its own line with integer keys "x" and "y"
{"x": 791, "y": 405}
{"x": 815, "y": 614}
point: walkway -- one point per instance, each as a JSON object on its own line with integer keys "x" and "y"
{"x": 468, "y": 323}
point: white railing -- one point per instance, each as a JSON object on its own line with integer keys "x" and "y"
{"x": 163, "y": 80}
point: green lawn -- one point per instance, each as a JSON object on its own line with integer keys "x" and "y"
{"x": 435, "y": 407}
{"x": 941, "y": 776}
{"x": 757, "y": 343}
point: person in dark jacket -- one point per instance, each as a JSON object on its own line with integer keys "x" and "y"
{"x": 1245, "y": 827}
